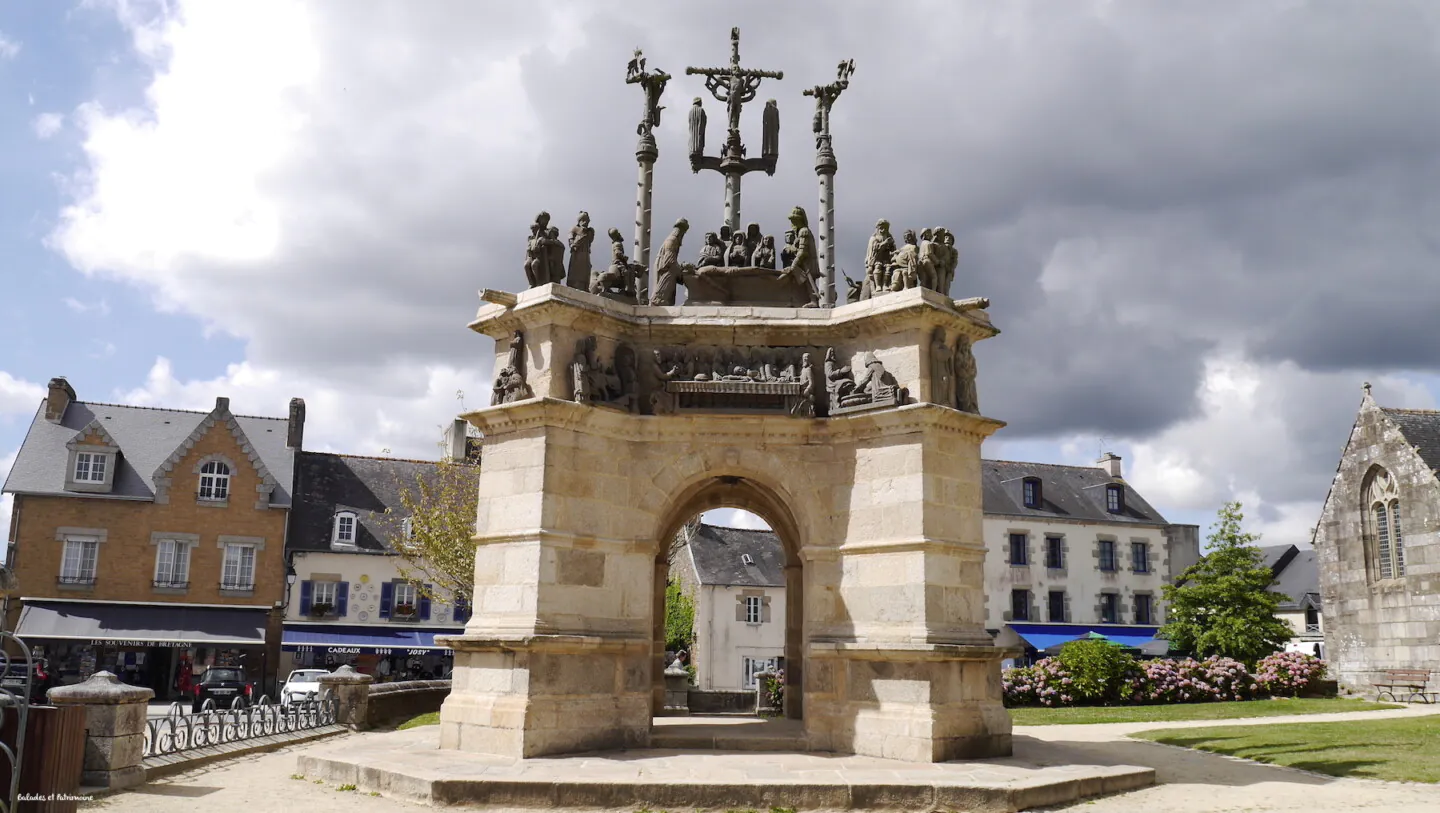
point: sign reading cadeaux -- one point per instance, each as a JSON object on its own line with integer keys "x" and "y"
{"x": 368, "y": 650}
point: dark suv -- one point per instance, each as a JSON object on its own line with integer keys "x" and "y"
{"x": 225, "y": 685}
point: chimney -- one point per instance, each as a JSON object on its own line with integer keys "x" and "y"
{"x": 61, "y": 395}
{"x": 1110, "y": 462}
{"x": 295, "y": 431}
{"x": 222, "y": 404}
{"x": 455, "y": 440}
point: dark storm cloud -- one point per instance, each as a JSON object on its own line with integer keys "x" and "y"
{"x": 1133, "y": 184}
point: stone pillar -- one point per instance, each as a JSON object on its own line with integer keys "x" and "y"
{"x": 732, "y": 200}
{"x": 352, "y": 689}
{"x": 645, "y": 155}
{"x": 825, "y": 167}
{"x": 114, "y": 728}
{"x": 677, "y": 691}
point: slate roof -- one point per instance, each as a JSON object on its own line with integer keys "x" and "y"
{"x": 1421, "y": 427}
{"x": 1066, "y": 492}
{"x": 147, "y": 437}
{"x": 717, "y": 552}
{"x": 1297, "y": 575}
{"x": 330, "y": 483}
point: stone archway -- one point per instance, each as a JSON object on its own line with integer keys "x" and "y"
{"x": 747, "y": 491}
{"x": 592, "y": 461}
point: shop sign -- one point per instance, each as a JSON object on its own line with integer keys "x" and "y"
{"x": 142, "y": 644}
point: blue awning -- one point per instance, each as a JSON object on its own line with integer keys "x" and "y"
{"x": 340, "y": 640}
{"x": 1050, "y": 636}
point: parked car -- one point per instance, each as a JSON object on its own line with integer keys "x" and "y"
{"x": 14, "y": 681}
{"x": 226, "y": 685}
{"x": 302, "y": 685}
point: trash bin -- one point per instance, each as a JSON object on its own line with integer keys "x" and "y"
{"x": 53, "y": 759}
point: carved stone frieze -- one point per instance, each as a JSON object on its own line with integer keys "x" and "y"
{"x": 510, "y": 383}
{"x": 876, "y": 389}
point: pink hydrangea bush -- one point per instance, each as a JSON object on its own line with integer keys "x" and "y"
{"x": 1044, "y": 684}
{"x": 1287, "y": 674}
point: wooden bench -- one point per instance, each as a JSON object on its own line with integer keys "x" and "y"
{"x": 1411, "y": 683}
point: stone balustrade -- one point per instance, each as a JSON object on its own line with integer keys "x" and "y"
{"x": 114, "y": 728}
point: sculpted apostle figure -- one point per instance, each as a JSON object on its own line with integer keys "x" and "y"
{"x": 536, "y": 272}
{"x": 667, "y": 264}
{"x": 770, "y": 131}
{"x": 554, "y": 255}
{"x": 905, "y": 273}
{"x": 582, "y": 236}
{"x": 712, "y": 253}
{"x": 931, "y": 261}
{"x": 877, "y": 260}
{"x": 942, "y": 370}
{"x": 967, "y": 399}
{"x": 952, "y": 259}
{"x": 697, "y": 129}
{"x": 805, "y": 268}
{"x": 764, "y": 256}
{"x": 737, "y": 256}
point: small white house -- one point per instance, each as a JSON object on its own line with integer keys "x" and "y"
{"x": 1297, "y": 580}
{"x": 737, "y": 580}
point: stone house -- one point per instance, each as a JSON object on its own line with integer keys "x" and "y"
{"x": 1378, "y": 546}
{"x": 150, "y": 541}
{"x": 737, "y": 579}
{"x": 1073, "y": 550}
{"x": 1297, "y": 580}
{"x": 349, "y": 602}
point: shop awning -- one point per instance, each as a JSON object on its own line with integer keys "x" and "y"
{"x": 341, "y": 640}
{"x": 138, "y": 625}
{"x": 1050, "y": 636}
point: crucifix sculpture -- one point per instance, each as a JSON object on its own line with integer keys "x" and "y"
{"x": 653, "y": 83}
{"x": 825, "y": 166}
{"x": 735, "y": 86}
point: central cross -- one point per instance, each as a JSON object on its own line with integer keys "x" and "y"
{"x": 735, "y": 86}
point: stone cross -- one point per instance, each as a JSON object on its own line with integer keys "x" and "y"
{"x": 734, "y": 86}
{"x": 825, "y": 167}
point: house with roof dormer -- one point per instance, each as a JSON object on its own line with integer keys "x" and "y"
{"x": 150, "y": 542}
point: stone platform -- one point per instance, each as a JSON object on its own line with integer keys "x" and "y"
{"x": 410, "y": 765}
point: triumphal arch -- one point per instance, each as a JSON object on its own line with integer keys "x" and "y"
{"x": 620, "y": 410}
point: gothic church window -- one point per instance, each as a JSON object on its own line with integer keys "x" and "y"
{"x": 1384, "y": 542}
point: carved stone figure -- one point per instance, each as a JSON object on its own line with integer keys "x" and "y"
{"x": 737, "y": 256}
{"x": 626, "y": 392}
{"x": 653, "y": 83}
{"x": 855, "y": 290}
{"x": 931, "y": 261}
{"x": 697, "y": 129}
{"x": 667, "y": 265}
{"x": 787, "y": 251}
{"x": 510, "y": 383}
{"x": 967, "y": 398}
{"x": 618, "y": 280}
{"x": 582, "y": 236}
{"x": 752, "y": 240}
{"x": 712, "y": 253}
{"x": 582, "y": 368}
{"x": 839, "y": 383}
{"x": 942, "y": 370}
{"x": 952, "y": 259}
{"x": 764, "y": 256}
{"x": 664, "y": 367}
{"x": 554, "y": 255}
{"x": 805, "y": 407}
{"x": 878, "y": 385}
{"x": 805, "y": 268}
{"x": 904, "y": 269}
{"x": 878, "y": 253}
{"x": 536, "y": 272}
{"x": 770, "y": 130}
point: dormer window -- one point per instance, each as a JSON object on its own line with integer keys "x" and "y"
{"x": 215, "y": 481}
{"x": 344, "y": 528}
{"x": 89, "y": 467}
{"x": 1114, "y": 499}
{"x": 1030, "y": 492}
{"x": 407, "y": 528}
{"x": 92, "y": 460}
{"x": 746, "y": 559}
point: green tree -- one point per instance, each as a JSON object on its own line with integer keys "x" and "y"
{"x": 679, "y": 618}
{"x": 436, "y": 546}
{"x": 1221, "y": 605}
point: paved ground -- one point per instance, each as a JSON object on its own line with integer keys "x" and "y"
{"x": 1192, "y": 782}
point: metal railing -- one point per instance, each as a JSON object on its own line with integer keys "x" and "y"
{"x": 170, "y": 583}
{"x": 15, "y": 694}
{"x": 87, "y": 580}
{"x": 1312, "y": 629}
{"x": 178, "y": 731}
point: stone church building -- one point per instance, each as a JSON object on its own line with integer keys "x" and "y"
{"x": 1378, "y": 546}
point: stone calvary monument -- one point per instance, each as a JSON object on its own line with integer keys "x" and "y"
{"x": 618, "y": 414}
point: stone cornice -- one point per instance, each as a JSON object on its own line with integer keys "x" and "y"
{"x": 558, "y": 304}
{"x": 535, "y": 413}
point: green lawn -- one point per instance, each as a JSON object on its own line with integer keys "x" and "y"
{"x": 1398, "y": 750}
{"x": 433, "y": 718}
{"x": 1190, "y": 711}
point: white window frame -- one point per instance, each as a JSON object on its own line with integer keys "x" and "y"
{"x": 236, "y": 561}
{"x": 409, "y": 589}
{"x": 81, "y": 553}
{"x": 1114, "y": 499}
{"x": 172, "y": 556}
{"x": 750, "y": 666}
{"x": 341, "y": 520}
{"x": 214, "y": 481}
{"x": 92, "y": 466}
{"x": 326, "y": 592}
{"x": 754, "y": 609}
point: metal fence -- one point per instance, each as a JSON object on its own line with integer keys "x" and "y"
{"x": 178, "y": 731}
{"x": 17, "y": 683}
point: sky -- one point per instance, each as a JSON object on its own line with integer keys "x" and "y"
{"x": 1202, "y": 224}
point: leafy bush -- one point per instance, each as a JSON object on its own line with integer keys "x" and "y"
{"x": 773, "y": 684}
{"x": 1044, "y": 684}
{"x": 1098, "y": 672}
{"x": 1288, "y": 673}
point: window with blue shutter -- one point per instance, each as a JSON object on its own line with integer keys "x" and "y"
{"x": 462, "y": 610}
{"x": 387, "y": 598}
{"x": 306, "y": 591}
{"x": 342, "y": 599}
{"x": 425, "y": 603}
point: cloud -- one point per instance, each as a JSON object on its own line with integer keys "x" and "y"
{"x": 1161, "y": 200}
{"x": 18, "y": 396}
{"x": 8, "y": 48}
{"x": 6, "y": 500}
{"x": 46, "y": 125}
{"x": 100, "y": 307}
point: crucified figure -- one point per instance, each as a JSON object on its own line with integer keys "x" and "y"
{"x": 653, "y": 83}
{"x": 734, "y": 85}
{"x": 825, "y": 96}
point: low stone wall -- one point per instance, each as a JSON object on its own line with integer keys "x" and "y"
{"x": 722, "y": 701}
{"x": 391, "y": 703}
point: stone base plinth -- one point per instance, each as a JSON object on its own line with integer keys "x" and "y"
{"x": 408, "y": 765}
{"x": 920, "y": 703}
{"x": 541, "y": 695}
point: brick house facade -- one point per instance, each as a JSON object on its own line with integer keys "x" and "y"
{"x": 145, "y": 540}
